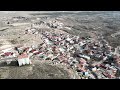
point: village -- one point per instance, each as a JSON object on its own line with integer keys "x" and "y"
{"x": 89, "y": 57}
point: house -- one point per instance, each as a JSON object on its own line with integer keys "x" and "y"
{"x": 23, "y": 59}
{"x": 8, "y": 53}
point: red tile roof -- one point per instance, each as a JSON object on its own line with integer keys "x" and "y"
{"x": 22, "y": 56}
{"x": 26, "y": 49}
{"x": 8, "y": 53}
{"x": 37, "y": 53}
{"x": 33, "y": 50}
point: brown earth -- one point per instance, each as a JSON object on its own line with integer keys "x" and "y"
{"x": 39, "y": 70}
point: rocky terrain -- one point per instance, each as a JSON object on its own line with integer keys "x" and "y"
{"x": 26, "y": 28}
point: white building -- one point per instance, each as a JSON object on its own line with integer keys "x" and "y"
{"x": 23, "y": 59}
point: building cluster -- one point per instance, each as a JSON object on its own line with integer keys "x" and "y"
{"x": 54, "y": 24}
{"x": 88, "y": 57}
